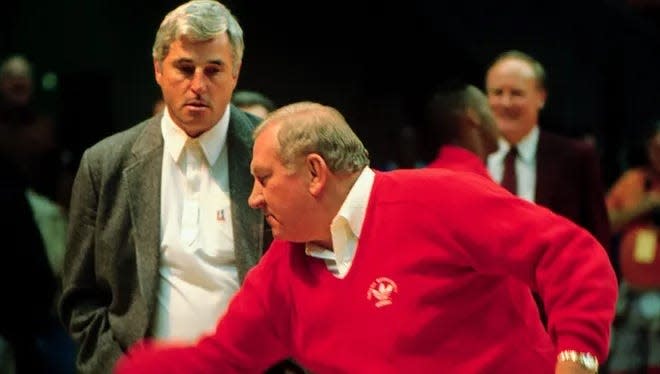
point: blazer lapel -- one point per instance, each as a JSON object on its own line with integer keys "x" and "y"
{"x": 143, "y": 178}
{"x": 248, "y": 223}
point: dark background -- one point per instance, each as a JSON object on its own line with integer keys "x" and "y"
{"x": 376, "y": 63}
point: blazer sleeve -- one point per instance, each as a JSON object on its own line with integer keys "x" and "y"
{"x": 84, "y": 302}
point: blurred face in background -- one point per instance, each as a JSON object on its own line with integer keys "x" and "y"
{"x": 16, "y": 83}
{"x": 514, "y": 97}
{"x": 197, "y": 79}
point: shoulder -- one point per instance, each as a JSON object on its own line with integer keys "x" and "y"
{"x": 431, "y": 184}
{"x": 118, "y": 146}
{"x": 244, "y": 119}
{"x": 241, "y": 126}
{"x": 120, "y": 140}
{"x": 551, "y": 140}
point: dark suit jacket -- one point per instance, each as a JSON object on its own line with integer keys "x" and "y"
{"x": 113, "y": 250}
{"x": 568, "y": 182}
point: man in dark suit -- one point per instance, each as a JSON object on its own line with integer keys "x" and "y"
{"x": 161, "y": 235}
{"x": 559, "y": 173}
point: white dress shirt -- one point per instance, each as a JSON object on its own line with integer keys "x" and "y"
{"x": 346, "y": 227}
{"x": 525, "y": 164}
{"x": 198, "y": 274}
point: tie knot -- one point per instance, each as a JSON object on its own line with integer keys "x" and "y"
{"x": 194, "y": 151}
{"x": 513, "y": 152}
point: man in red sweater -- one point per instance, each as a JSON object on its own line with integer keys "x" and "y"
{"x": 422, "y": 270}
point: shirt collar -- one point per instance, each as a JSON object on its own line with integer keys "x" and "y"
{"x": 212, "y": 141}
{"x": 526, "y": 147}
{"x": 351, "y": 212}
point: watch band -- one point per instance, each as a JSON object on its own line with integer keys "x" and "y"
{"x": 586, "y": 360}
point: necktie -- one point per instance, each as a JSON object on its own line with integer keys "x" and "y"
{"x": 509, "y": 180}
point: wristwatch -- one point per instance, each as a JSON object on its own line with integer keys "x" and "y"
{"x": 586, "y": 360}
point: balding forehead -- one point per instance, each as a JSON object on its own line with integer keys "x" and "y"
{"x": 515, "y": 65}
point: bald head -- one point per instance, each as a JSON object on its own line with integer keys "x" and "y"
{"x": 308, "y": 127}
{"x": 516, "y": 93}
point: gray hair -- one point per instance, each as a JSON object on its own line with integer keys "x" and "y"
{"x": 308, "y": 127}
{"x": 537, "y": 68}
{"x": 199, "y": 20}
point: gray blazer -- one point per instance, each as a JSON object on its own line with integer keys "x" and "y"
{"x": 113, "y": 248}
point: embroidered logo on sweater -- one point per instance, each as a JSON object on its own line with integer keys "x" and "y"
{"x": 381, "y": 291}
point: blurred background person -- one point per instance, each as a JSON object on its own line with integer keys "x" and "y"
{"x": 34, "y": 197}
{"x": 404, "y": 150}
{"x": 463, "y": 127}
{"x": 559, "y": 173}
{"x": 633, "y": 203}
{"x": 253, "y": 102}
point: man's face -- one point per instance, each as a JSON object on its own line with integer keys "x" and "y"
{"x": 197, "y": 79}
{"x": 16, "y": 89}
{"x": 515, "y": 97}
{"x": 282, "y": 194}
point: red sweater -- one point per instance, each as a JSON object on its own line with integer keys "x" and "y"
{"x": 440, "y": 283}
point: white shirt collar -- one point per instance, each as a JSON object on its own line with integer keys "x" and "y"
{"x": 526, "y": 147}
{"x": 212, "y": 141}
{"x": 351, "y": 215}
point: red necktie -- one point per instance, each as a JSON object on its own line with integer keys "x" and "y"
{"x": 509, "y": 180}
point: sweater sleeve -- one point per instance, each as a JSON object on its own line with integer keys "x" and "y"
{"x": 249, "y": 337}
{"x": 566, "y": 265}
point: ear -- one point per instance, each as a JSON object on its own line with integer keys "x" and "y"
{"x": 318, "y": 171}
{"x": 543, "y": 95}
{"x": 158, "y": 71}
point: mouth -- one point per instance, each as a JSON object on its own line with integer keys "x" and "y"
{"x": 196, "y": 104}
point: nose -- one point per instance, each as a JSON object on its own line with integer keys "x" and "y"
{"x": 256, "y": 198}
{"x": 505, "y": 100}
{"x": 199, "y": 82}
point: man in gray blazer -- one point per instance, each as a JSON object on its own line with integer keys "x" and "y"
{"x": 160, "y": 234}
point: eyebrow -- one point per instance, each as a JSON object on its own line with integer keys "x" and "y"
{"x": 185, "y": 60}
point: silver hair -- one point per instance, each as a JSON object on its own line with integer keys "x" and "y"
{"x": 537, "y": 68}
{"x": 199, "y": 20}
{"x": 308, "y": 127}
